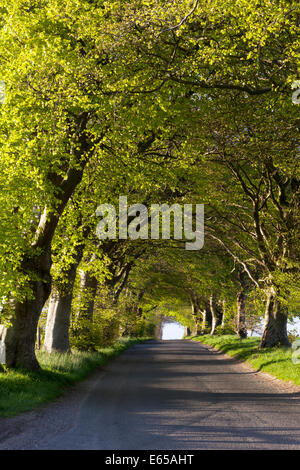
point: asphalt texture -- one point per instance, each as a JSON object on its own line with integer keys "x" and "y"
{"x": 164, "y": 395}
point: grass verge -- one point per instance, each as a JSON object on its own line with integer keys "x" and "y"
{"x": 275, "y": 361}
{"x": 24, "y": 391}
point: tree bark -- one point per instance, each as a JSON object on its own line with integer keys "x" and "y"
{"x": 223, "y": 313}
{"x": 59, "y": 312}
{"x": 216, "y": 318}
{"x": 20, "y": 338}
{"x": 206, "y": 318}
{"x": 196, "y": 312}
{"x": 241, "y": 315}
{"x": 85, "y": 313}
{"x": 58, "y": 322}
{"x": 38, "y": 338}
{"x": 275, "y": 328}
{"x": 194, "y": 329}
{"x": 241, "y": 327}
{"x": 158, "y": 328}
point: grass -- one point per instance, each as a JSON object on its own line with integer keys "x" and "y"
{"x": 22, "y": 391}
{"x": 275, "y": 361}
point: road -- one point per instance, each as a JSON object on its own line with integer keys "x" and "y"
{"x": 166, "y": 395}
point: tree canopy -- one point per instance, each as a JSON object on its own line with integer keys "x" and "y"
{"x": 165, "y": 103}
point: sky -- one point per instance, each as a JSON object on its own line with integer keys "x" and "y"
{"x": 172, "y": 330}
{"x": 295, "y": 326}
{"x": 291, "y": 327}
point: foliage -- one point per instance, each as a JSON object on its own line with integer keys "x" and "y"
{"x": 225, "y": 330}
{"x": 163, "y": 103}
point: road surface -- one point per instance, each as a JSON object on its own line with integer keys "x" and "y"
{"x": 166, "y": 395}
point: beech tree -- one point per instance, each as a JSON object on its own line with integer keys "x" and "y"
{"x": 57, "y": 120}
{"x": 256, "y": 220}
{"x": 47, "y": 141}
{"x": 162, "y": 102}
{"x": 220, "y": 56}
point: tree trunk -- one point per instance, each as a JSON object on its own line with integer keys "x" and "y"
{"x": 84, "y": 316}
{"x": 88, "y": 289}
{"x": 158, "y": 328}
{"x": 216, "y": 319}
{"x": 20, "y": 338}
{"x": 241, "y": 315}
{"x": 223, "y": 313}
{"x": 241, "y": 327}
{"x": 196, "y": 312}
{"x": 275, "y": 328}
{"x": 58, "y": 322}
{"x": 59, "y": 312}
{"x": 206, "y": 319}
{"x": 116, "y": 293}
{"x": 194, "y": 329}
{"x": 38, "y": 338}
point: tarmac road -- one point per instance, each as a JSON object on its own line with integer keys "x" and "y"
{"x": 166, "y": 395}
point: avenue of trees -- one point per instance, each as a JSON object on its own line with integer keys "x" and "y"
{"x": 163, "y": 102}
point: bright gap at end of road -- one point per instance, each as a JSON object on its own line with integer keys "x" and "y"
{"x": 172, "y": 330}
